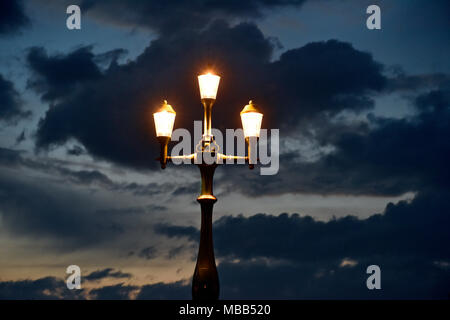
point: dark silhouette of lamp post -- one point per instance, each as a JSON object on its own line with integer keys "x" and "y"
{"x": 205, "y": 282}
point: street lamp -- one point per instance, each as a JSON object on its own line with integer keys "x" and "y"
{"x": 164, "y": 120}
{"x": 205, "y": 282}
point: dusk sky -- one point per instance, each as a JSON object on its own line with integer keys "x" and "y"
{"x": 364, "y": 123}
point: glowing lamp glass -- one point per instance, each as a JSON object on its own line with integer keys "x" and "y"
{"x": 164, "y": 121}
{"x": 251, "y": 123}
{"x": 208, "y": 83}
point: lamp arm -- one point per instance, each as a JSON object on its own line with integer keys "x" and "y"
{"x": 183, "y": 157}
{"x": 231, "y": 157}
{"x": 170, "y": 158}
{"x": 222, "y": 156}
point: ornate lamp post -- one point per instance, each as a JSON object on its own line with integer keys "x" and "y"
{"x": 205, "y": 282}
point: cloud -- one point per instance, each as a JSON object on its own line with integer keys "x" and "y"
{"x": 15, "y": 159}
{"x": 90, "y": 178}
{"x": 60, "y": 75}
{"x": 300, "y": 257}
{"x": 48, "y": 288}
{"x": 180, "y": 290}
{"x": 148, "y": 253}
{"x": 10, "y": 157}
{"x": 401, "y": 278}
{"x": 418, "y": 227}
{"x": 180, "y": 15}
{"x": 171, "y": 231}
{"x": 10, "y": 103}
{"x": 325, "y": 76}
{"x": 106, "y": 273}
{"x": 48, "y": 201}
{"x": 59, "y": 210}
{"x": 75, "y": 151}
{"x": 402, "y": 82}
{"x": 20, "y": 138}
{"x": 12, "y": 17}
{"x": 383, "y": 156}
{"x": 53, "y": 212}
{"x": 51, "y": 288}
{"x": 114, "y": 292}
{"x": 304, "y": 239}
{"x": 115, "y": 123}
{"x": 316, "y": 83}
{"x": 178, "y": 250}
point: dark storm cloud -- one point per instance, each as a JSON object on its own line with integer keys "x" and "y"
{"x": 86, "y": 177}
{"x": 111, "y": 116}
{"x": 325, "y": 76}
{"x": 134, "y": 210}
{"x": 299, "y": 257}
{"x": 434, "y": 103}
{"x": 187, "y": 189}
{"x": 28, "y": 209}
{"x": 177, "y": 231}
{"x": 10, "y": 103}
{"x": 42, "y": 289}
{"x": 148, "y": 253}
{"x": 384, "y": 156}
{"x": 107, "y": 273}
{"x": 161, "y": 291}
{"x": 404, "y": 82}
{"x": 75, "y": 151}
{"x": 418, "y": 228}
{"x": 110, "y": 58}
{"x": 114, "y": 292}
{"x": 171, "y": 16}
{"x": 293, "y": 257}
{"x": 20, "y": 138}
{"x": 59, "y": 75}
{"x": 176, "y": 251}
{"x": 16, "y": 159}
{"x": 54, "y": 211}
{"x": 90, "y": 178}
{"x": 97, "y": 178}
{"x": 12, "y": 17}
{"x": 49, "y": 201}
{"x": 403, "y": 278}
{"x": 55, "y": 288}
{"x": 301, "y": 93}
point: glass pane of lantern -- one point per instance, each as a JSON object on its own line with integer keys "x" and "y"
{"x": 208, "y": 83}
{"x": 251, "y": 123}
{"x": 164, "y": 123}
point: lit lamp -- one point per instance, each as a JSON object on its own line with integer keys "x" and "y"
{"x": 208, "y": 84}
{"x": 205, "y": 281}
{"x": 164, "y": 119}
{"x": 251, "y": 119}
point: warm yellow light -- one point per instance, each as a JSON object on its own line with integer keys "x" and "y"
{"x": 164, "y": 119}
{"x": 208, "y": 83}
{"x": 251, "y": 120}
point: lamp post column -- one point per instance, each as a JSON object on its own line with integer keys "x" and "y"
{"x": 205, "y": 282}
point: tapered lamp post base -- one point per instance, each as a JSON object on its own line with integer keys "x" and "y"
{"x": 205, "y": 282}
